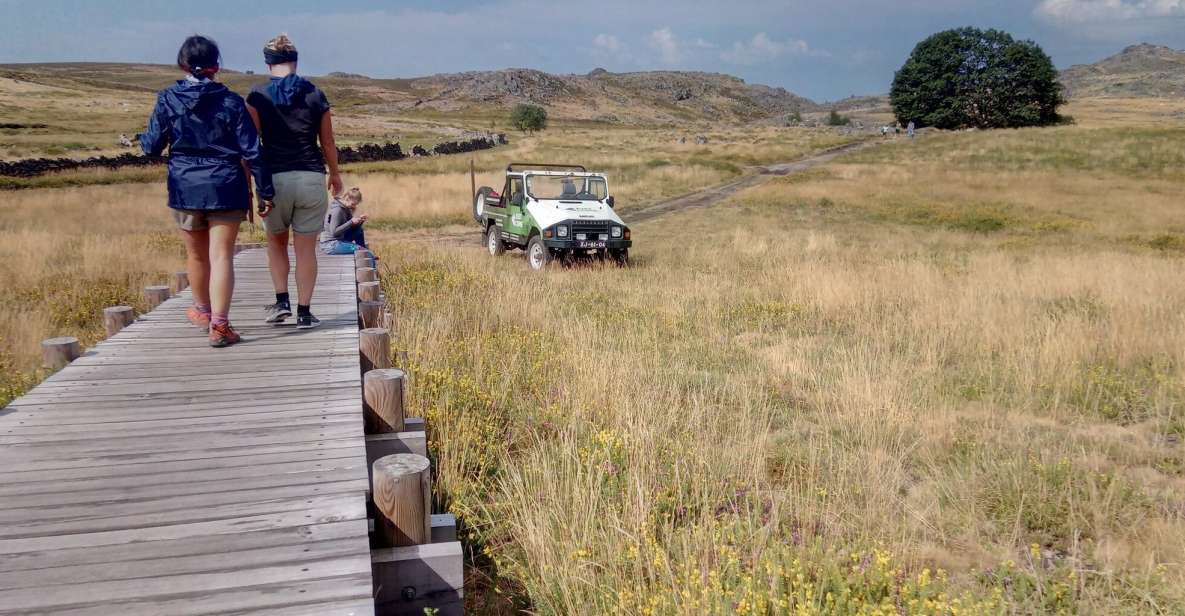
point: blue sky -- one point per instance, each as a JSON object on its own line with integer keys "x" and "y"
{"x": 823, "y": 49}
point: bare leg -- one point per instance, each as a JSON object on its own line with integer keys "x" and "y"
{"x": 306, "y": 267}
{"x": 197, "y": 264}
{"x": 222, "y": 270}
{"x": 277, "y": 260}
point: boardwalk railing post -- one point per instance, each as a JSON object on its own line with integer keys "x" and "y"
{"x": 155, "y": 296}
{"x": 370, "y": 314}
{"x": 382, "y": 400}
{"x": 58, "y": 352}
{"x": 180, "y": 282}
{"x": 402, "y": 489}
{"x": 368, "y": 291}
{"x": 374, "y": 349}
{"x": 366, "y": 274}
{"x": 115, "y": 318}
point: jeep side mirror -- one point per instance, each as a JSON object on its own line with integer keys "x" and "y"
{"x": 610, "y": 200}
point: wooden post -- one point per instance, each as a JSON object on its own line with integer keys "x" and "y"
{"x": 155, "y": 296}
{"x": 57, "y": 352}
{"x": 374, "y": 348}
{"x": 370, "y": 314}
{"x": 402, "y": 487}
{"x": 388, "y": 320}
{"x": 366, "y": 274}
{"x": 368, "y": 291}
{"x": 382, "y": 401}
{"x": 116, "y": 318}
{"x": 180, "y": 282}
{"x": 363, "y": 258}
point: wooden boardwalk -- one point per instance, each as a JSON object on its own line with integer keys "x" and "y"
{"x": 155, "y": 475}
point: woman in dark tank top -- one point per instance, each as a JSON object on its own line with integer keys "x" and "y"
{"x": 296, "y": 127}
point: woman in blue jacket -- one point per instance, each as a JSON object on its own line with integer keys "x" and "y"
{"x": 212, "y": 146}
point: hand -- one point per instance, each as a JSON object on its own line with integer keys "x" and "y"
{"x": 265, "y": 207}
{"x": 364, "y": 218}
{"x": 335, "y": 184}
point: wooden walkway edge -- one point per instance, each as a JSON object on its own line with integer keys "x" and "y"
{"x": 155, "y": 475}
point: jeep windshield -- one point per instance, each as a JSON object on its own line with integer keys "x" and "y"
{"x": 567, "y": 187}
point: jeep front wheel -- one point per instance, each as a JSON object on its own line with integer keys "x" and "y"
{"x": 494, "y": 241}
{"x": 538, "y": 255}
{"x": 620, "y": 256}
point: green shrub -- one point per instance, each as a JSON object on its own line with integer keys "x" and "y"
{"x": 528, "y": 118}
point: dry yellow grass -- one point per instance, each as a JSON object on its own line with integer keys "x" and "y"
{"x": 962, "y": 354}
{"x": 68, "y": 252}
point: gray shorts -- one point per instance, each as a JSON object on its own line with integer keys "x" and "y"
{"x": 199, "y": 220}
{"x": 302, "y": 201}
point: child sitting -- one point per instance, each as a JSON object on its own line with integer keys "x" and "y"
{"x": 343, "y": 232}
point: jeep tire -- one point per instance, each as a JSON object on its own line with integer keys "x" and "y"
{"x": 494, "y": 243}
{"x": 479, "y": 202}
{"x": 620, "y": 256}
{"x": 538, "y": 254}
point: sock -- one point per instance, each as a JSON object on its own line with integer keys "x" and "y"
{"x": 202, "y": 308}
{"x": 282, "y": 299}
{"x": 219, "y": 318}
{"x": 302, "y": 310}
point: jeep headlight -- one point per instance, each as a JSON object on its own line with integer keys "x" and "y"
{"x": 562, "y": 231}
{"x": 616, "y": 231}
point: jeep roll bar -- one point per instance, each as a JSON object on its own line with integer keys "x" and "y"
{"x": 529, "y": 166}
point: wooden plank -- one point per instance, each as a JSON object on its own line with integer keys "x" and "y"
{"x": 126, "y": 489}
{"x": 120, "y": 592}
{"x": 140, "y": 430}
{"x": 301, "y": 535}
{"x": 335, "y": 511}
{"x": 146, "y": 470}
{"x": 230, "y": 437}
{"x": 232, "y": 456}
{"x": 50, "y": 530}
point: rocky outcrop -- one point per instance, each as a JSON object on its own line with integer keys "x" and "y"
{"x": 1142, "y": 70}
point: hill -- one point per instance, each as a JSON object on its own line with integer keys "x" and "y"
{"x": 629, "y": 98}
{"x": 1142, "y": 70}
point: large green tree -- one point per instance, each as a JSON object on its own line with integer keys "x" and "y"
{"x": 528, "y": 118}
{"x": 983, "y": 78}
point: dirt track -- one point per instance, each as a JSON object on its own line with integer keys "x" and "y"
{"x": 707, "y": 197}
{"x": 716, "y": 194}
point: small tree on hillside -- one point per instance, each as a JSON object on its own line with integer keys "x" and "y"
{"x": 838, "y": 119}
{"x": 528, "y": 118}
{"x": 981, "y": 78}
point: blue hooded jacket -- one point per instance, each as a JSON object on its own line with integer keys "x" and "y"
{"x": 208, "y": 133}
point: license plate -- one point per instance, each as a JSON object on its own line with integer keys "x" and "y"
{"x": 592, "y": 244}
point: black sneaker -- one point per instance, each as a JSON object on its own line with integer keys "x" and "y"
{"x": 307, "y": 321}
{"x": 276, "y": 313}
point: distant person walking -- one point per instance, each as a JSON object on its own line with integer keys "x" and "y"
{"x": 910, "y": 129}
{"x": 212, "y": 146}
{"x": 296, "y": 126}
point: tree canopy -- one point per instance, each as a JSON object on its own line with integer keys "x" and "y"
{"x": 527, "y": 117}
{"x": 969, "y": 77}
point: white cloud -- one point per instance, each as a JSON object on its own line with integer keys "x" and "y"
{"x": 664, "y": 42}
{"x": 762, "y": 48}
{"x": 608, "y": 43}
{"x": 609, "y": 48}
{"x": 1085, "y": 11}
{"x": 702, "y": 44}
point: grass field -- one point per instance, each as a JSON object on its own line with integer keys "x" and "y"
{"x": 941, "y": 376}
{"x": 933, "y": 377}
